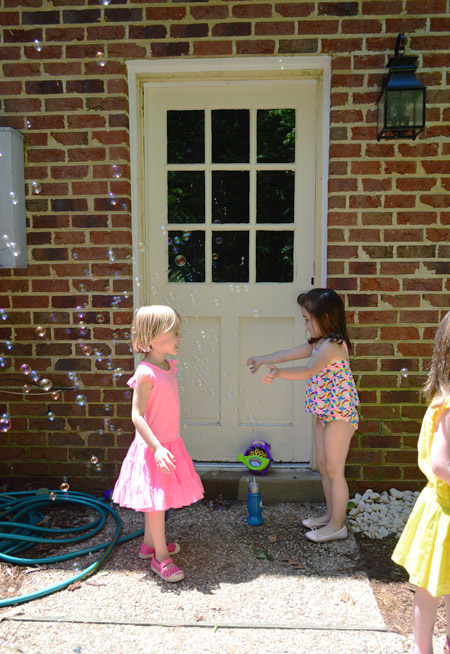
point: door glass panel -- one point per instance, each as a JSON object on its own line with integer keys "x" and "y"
{"x": 276, "y": 135}
{"x": 186, "y": 196}
{"x": 275, "y": 196}
{"x": 230, "y": 196}
{"x": 185, "y": 137}
{"x": 274, "y": 256}
{"x": 229, "y": 256}
{"x": 230, "y": 135}
{"x": 186, "y": 254}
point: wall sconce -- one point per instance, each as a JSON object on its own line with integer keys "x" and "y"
{"x": 401, "y": 105}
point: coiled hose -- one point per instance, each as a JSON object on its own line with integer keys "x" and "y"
{"x": 21, "y": 515}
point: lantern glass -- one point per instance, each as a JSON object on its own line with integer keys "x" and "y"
{"x": 404, "y": 108}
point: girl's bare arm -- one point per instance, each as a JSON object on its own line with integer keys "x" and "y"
{"x": 282, "y": 356}
{"x": 440, "y": 449}
{"x": 327, "y": 352}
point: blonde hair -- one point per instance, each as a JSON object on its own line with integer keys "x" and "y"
{"x": 437, "y": 386}
{"x": 150, "y": 322}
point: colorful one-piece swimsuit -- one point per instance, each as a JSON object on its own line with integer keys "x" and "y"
{"x": 332, "y": 395}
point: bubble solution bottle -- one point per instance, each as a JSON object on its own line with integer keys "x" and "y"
{"x": 254, "y": 503}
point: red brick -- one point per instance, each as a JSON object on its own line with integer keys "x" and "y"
{"x": 379, "y": 284}
{"x": 330, "y": 46}
{"x": 210, "y": 48}
{"x": 361, "y": 26}
{"x": 296, "y": 9}
{"x": 252, "y": 11}
{"x": 209, "y": 12}
{"x": 165, "y": 13}
{"x": 270, "y": 28}
{"x": 378, "y": 7}
{"x": 318, "y": 27}
{"x": 255, "y": 47}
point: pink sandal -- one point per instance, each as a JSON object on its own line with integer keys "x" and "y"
{"x": 167, "y": 570}
{"x": 147, "y": 552}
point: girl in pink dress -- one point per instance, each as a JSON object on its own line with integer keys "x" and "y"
{"x": 157, "y": 473}
{"x": 330, "y": 395}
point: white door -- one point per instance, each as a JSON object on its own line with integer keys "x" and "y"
{"x": 230, "y": 191}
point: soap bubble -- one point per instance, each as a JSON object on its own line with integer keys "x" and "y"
{"x": 127, "y": 395}
{"x": 186, "y": 235}
{"x": 41, "y": 331}
{"x": 2, "y": 362}
{"x": 111, "y": 255}
{"x": 5, "y": 423}
{"x": 219, "y": 240}
{"x": 8, "y": 345}
{"x": 55, "y": 395}
{"x": 52, "y": 496}
{"x": 404, "y": 373}
{"x": 217, "y": 302}
{"x": 3, "y": 314}
{"x": 25, "y": 369}
{"x": 94, "y": 460}
{"x": 36, "y": 188}
{"x": 256, "y": 313}
{"x": 80, "y": 400}
{"x": 34, "y": 375}
{"x": 50, "y": 416}
{"x": 214, "y": 256}
{"x": 37, "y": 45}
{"x": 104, "y": 2}
{"x": 13, "y": 198}
{"x": 112, "y": 199}
{"x": 82, "y": 288}
{"x": 180, "y": 260}
{"x": 100, "y": 57}
{"x": 118, "y": 372}
{"x": 116, "y": 171}
{"x": 98, "y": 467}
{"x": 64, "y": 487}
{"x": 26, "y": 388}
{"x": 15, "y": 249}
{"x": 100, "y": 318}
{"x": 45, "y": 384}
{"x": 28, "y": 123}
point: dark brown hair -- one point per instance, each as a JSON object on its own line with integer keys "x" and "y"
{"x": 327, "y": 308}
{"x": 437, "y": 386}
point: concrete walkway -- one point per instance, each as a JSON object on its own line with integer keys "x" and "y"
{"x": 247, "y": 589}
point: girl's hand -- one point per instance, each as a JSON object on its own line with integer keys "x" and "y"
{"x": 254, "y": 364}
{"x": 270, "y": 375}
{"x": 165, "y": 460}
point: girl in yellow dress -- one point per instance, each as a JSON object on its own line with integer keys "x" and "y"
{"x": 424, "y": 546}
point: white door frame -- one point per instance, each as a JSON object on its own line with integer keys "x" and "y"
{"x": 301, "y": 67}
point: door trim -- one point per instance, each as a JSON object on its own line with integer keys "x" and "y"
{"x": 224, "y": 69}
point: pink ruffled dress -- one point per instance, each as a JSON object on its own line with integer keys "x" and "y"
{"x": 141, "y": 485}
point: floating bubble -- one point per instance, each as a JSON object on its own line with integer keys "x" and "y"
{"x": 404, "y": 373}
{"x": 45, "y": 384}
{"x": 64, "y": 487}
{"x": 214, "y": 256}
{"x": 98, "y": 467}
{"x": 140, "y": 247}
{"x": 52, "y": 496}
{"x": 55, "y": 395}
{"x": 50, "y": 416}
{"x": 112, "y": 199}
{"x": 116, "y": 171}
{"x": 13, "y": 198}
{"x": 127, "y": 395}
{"x": 100, "y": 58}
{"x": 100, "y": 318}
{"x": 107, "y": 407}
{"x": 34, "y": 375}
{"x": 41, "y": 331}
{"x": 80, "y": 400}
{"x": 204, "y": 334}
{"x": 111, "y": 255}
{"x": 26, "y": 388}
{"x": 118, "y": 372}
{"x": 104, "y": 2}
{"x": 186, "y": 235}
{"x": 2, "y": 362}
{"x": 76, "y": 568}
{"x": 94, "y": 460}
{"x": 15, "y": 249}
{"x": 37, "y": 45}
{"x": 8, "y": 345}
{"x": 5, "y": 423}
{"x": 180, "y": 260}
{"x": 219, "y": 240}
{"x": 82, "y": 288}
{"x": 28, "y": 124}
{"x": 138, "y": 280}
{"x": 256, "y": 313}
{"x": 87, "y": 351}
{"x": 36, "y": 188}
{"x": 25, "y": 369}
{"x": 176, "y": 240}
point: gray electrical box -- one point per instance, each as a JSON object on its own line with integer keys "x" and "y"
{"x": 13, "y": 233}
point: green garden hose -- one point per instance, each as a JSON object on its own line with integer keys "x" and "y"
{"x": 21, "y": 515}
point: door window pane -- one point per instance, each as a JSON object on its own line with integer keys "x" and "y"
{"x": 276, "y": 135}
{"x": 230, "y": 196}
{"x": 274, "y": 256}
{"x": 186, "y": 254}
{"x": 185, "y": 137}
{"x": 230, "y": 135}
{"x": 186, "y": 196}
{"x": 229, "y": 256}
{"x": 275, "y": 196}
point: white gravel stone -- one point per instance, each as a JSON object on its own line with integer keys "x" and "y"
{"x": 380, "y": 515}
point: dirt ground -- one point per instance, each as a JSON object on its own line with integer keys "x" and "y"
{"x": 389, "y": 583}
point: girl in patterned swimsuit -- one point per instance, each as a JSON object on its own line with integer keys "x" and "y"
{"x": 330, "y": 394}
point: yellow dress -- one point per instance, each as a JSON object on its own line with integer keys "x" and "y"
{"x": 424, "y": 546}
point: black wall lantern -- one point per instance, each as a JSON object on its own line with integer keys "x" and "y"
{"x": 401, "y": 105}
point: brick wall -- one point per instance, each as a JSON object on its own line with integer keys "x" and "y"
{"x": 388, "y": 229}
